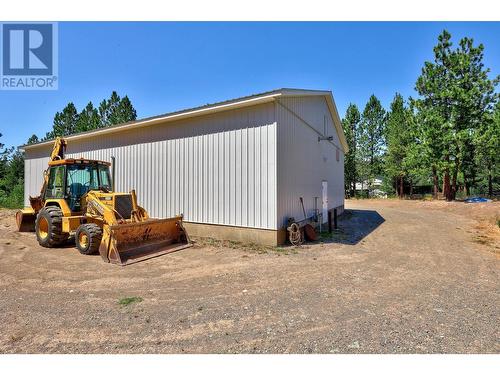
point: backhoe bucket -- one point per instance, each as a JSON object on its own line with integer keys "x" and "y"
{"x": 133, "y": 242}
{"x": 25, "y": 220}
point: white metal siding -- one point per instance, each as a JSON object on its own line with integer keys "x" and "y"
{"x": 217, "y": 169}
{"x": 303, "y": 161}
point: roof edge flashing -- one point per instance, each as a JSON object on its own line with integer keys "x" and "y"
{"x": 173, "y": 116}
{"x": 242, "y": 102}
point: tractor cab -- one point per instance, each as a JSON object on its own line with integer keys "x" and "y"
{"x": 71, "y": 179}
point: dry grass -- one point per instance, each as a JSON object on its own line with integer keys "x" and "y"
{"x": 485, "y": 219}
{"x": 201, "y": 242}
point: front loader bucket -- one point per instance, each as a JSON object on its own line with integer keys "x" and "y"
{"x": 25, "y": 220}
{"x": 133, "y": 242}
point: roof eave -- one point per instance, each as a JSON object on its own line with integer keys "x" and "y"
{"x": 167, "y": 118}
{"x": 338, "y": 122}
{"x": 200, "y": 111}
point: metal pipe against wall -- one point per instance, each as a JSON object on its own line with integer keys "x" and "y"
{"x": 113, "y": 174}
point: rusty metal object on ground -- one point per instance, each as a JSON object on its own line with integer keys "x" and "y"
{"x": 310, "y": 233}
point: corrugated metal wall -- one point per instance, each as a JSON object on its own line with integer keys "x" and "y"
{"x": 217, "y": 169}
{"x": 303, "y": 161}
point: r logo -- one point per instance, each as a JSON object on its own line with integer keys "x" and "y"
{"x": 29, "y": 56}
{"x": 27, "y": 49}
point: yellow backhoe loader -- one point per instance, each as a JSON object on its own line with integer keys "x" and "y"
{"x": 77, "y": 199}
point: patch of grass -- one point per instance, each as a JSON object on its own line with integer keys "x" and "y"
{"x": 129, "y": 300}
{"x": 336, "y": 235}
{"x": 483, "y": 240}
{"x": 285, "y": 250}
{"x": 250, "y": 247}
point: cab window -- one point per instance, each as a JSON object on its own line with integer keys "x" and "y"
{"x": 55, "y": 185}
{"x": 104, "y": 178}
{"x": 81, "y": 179}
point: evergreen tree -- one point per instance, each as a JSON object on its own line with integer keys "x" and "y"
{"x": 370, "y": 138}
{"x": 456, "y": 97}
{"x": 14, "y": 174}
{"x": 109, "y": 110}
{"x": 116, "y": 110}
{"x": 125, "y": 112}
{"x": 399, "y": 139}
{"x": 475, "y": 97}
{"x": 488, "y": 150}
{"x": 65, "y": 121}
{"x": 418, "y": 158}
{"x": 11, "y": 177}
{"x": 350, "y": 124}
{"x": 48, "y": 136}
{"x": 4, "y": 155}
{"x": 33, "y": 139}
{"x": 88, "y": 119}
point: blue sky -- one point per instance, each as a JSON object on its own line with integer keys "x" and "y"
{"x": 164, "y": 67}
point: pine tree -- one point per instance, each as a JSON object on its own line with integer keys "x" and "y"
{"x": 48, "y": 136}
{"x": 15, "y": 170}
{"x": 116, "y": 110}
{"x": 65, "y": 121}
{"x": 88, "y": 119}
{"x": 112, "y": 111}
{"x": 488, "y": 150}
{"x": 32, "y": 140}
{"x": 350, "y": 124}
{"x": 456, "y": 97}
{"x": 11, "y": 177}
{"x": 399, "y": 139}
{"x": 108, "y": 110}
{"x": 4, "y": 155}
{"x": 475, "y": 96}
{"x": 125, "y": 111}
{"x": 371, "y": 140}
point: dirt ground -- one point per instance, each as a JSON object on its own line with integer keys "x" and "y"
{"x": 397, "y": 277}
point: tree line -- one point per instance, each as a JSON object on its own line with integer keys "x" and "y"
{"x": 111, "y": 111}
{"x": 446, "y": 138}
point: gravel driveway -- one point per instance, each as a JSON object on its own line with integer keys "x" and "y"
{"x": 398, "y": 277}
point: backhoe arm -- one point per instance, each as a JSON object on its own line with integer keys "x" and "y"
{"x": 58, "y": 149}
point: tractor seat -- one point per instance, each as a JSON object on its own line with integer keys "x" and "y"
{"x": 76, "y": 190}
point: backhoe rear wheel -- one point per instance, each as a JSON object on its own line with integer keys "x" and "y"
{"x": 88, "y": 238}
{"x": 48, "y": 227}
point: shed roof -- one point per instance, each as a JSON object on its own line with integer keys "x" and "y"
{"x": 241, "y": 102}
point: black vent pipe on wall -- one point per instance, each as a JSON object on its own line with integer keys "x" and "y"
{"x": 113, "y": 172}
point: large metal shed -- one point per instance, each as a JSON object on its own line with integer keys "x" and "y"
{"x": 236, "y": 169}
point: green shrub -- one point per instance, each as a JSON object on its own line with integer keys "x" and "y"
{"x": 14, "y": 199}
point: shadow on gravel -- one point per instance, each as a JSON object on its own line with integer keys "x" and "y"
{"x": 353, "y": 226}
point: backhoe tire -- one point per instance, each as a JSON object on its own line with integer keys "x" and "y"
{"x": 48, "y": 227}
{"x": 88, "y": 238}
